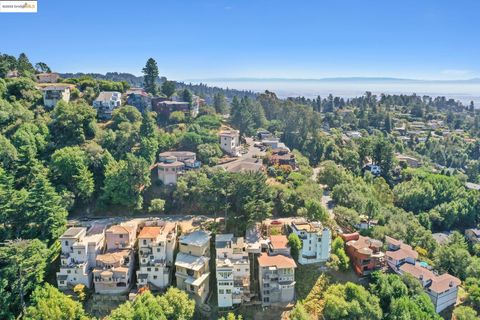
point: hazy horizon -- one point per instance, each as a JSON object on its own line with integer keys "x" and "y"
{"x": 284, "y": 88}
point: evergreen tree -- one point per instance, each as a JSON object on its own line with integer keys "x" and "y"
{"x": 48, "y": 216}
{"x": 220, "y": 103}
{"x": 47, "y": 302}
{"x": 22, "y": 269}
{"x": 150, "y": 72}
{"x": 24, "y": 66}
{"x": 168, "y": 88}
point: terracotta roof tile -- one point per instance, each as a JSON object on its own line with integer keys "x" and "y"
{"x": 279, "y": 242}
{"x": 279, "y": 261}
{"x": 149, "y": 233}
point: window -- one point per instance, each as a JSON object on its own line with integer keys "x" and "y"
{"x": 66, "y": 242}
{"x": 154, "y": 277}
{"x": 266, "y": 299}
{"x": 149, "y": 269}
{"x": 158, "y": 249}
{"x": 144, "y": 241}
{"x": 79, "y": 252}
{"x": 68, "y": 271}
{"x": 220, "y": 291}
{"x": 228, "y": 291}
{"x": 120, "y": 236}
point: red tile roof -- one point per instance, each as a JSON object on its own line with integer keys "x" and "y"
{"x": 149, "y": 233}
{"x": 279, "y": 261}
{"x": 279, "y": 242}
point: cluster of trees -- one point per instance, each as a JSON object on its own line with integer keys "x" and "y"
{"x": 21, "y": 64}
{"x": 389, "y": 296}
{"x": 441, "y": 202}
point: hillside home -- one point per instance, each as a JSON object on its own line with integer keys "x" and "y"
{"x": 12, "y": 74}
{"x": 121, "y": 236}
{"x": 399, "y": 253}
{"x": 276, "y": 275}
{"x": 77, "y": 259}
{"x": 230, "y": 142}
{"x": 282, "y": 157}
{"x": 47, "y": 77}
{"x": 278, "y": 244}
{"x": 138, "y": 98}
{"x": 53, "y": 94}
{"x": 164, "y": 107}
{"x": 316, "y": 241}
{"x": 191, "y": 265}
{"x": 442, "y": 290}
{"x": 473, "y": 235}
{"x": 232, "y": 270}
{"x": 113, "y": 272}
{"x": 174, "y": 163}
{"x": 114, "y": 269}
{"x": 106, "y": 102}
{"x": 156, "y": 246}
{"x": 408, "y": 160}
{"x": 364, "y": 253}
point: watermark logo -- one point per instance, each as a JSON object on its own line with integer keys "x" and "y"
{"x": 18, "y": 6}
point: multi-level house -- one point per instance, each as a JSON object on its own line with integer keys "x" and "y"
{"x": 232, "y": 270}
{"x": 174, "y": 163}
{"x": 156, "y": 246}
{"x": 138, "y": 98}
{"x": 276, "y": 274}
{"x": 113, "y": 272}
{"x": 120, "y": 236}
{"x": 77, "y": 259}
{"x": 365, "y": 253}
{"x": 191, "y": 264}
{"x": 55, "y": 93}
{"x": 114, "y": 269}
{"x": 442, "y": 290}
{"x": 230, "y": 142}
{"x": 278, "y": 244}
{"x": 316, "y": 241}
{"x": 399, "y": 253}
{"x": 106, "y": 102}
{"x": 164, "y": 107}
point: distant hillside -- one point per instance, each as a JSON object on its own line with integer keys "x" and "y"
{"x": 207, "y": 92}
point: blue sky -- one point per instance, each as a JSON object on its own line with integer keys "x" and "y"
{"x": 199, "y": 39}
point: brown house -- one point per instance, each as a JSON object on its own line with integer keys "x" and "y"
{"x": 365, "y": 253}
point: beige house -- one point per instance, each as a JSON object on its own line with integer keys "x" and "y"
{"x": 47, "y": 77}
{"x": 232, "y": 270}
{"x": 55, "y": 93}
{"x": 276, "y": 275}
{"x": 230, "y": 142}
{"x": 191, "y": 265}
{"x": 156, "y": 246}
{"x": 79, "y": 251}
{"x": 120, "y": 236}
{"x": 113, "y": 273}
{"x": 114, "y": 269}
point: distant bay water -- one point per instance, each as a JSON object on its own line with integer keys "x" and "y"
{"x": 463, "y": 90}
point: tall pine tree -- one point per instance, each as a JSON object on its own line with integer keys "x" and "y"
{"x": 150, "y": 72}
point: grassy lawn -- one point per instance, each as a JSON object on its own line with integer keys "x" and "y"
{"x": 307, "y": 275}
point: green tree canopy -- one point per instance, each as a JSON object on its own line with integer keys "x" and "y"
{"x": 48, "y": 303}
